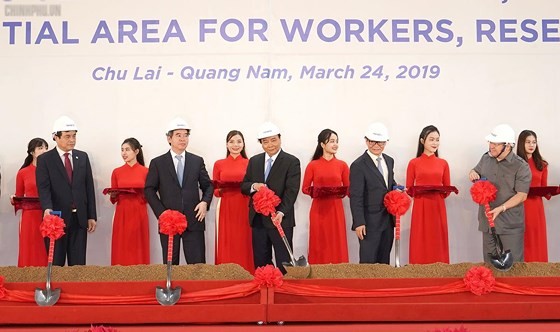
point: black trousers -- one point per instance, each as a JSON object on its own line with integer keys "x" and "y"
{"x": 71, "y": 245}
{"x": 376, "y": 246}
{"x": 194, "y": 247}
{"x": 264, "y": 239}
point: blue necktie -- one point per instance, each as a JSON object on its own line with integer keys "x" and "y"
{"x": 180, "y": 169}
{"x": 267, "y": 169}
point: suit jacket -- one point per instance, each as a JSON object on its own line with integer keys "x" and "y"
{"x": 284, "y": 179}
{"x": 55, "y": 191}
{"x": 367, "y": 191}
{"x": 163, "y": 192}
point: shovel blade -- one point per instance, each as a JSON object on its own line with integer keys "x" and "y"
{"x": 502, "y": 262}
{"x": 46, "y": 297}
{"x": 301, "y": 269}
{"x": 168, "y": 296}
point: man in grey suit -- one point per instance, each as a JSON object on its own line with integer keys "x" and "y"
{"x": 65, "y": 184}
{"x": 173, "y": 182}
{"x": 280, "y": 172}
{"x": 371, "y": 177}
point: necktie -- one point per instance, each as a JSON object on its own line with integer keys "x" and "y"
{"x": 379, "y": 165}
{"x": 267, "y": 169}
{"x": 68, "y": 166}
{"x": 180, "y": 169}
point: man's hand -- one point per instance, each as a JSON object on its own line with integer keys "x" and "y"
{"x": 361, "y": 232}
{"x": 200, "y": 210}
{"x": 473, "y": 176}
{"x": 257, "y": 186}
{"x": 278, "y": 218}
{"x": 91, "y": 225}
{"x": 47, "y": 212}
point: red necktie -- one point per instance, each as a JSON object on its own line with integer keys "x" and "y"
{"x": 68, "y": 167}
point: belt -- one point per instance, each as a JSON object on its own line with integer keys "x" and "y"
{"x": 74, "y": 210}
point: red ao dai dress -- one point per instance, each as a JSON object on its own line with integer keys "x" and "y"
{"x": 536, "y": 247}
{"x": 327, "y": 224}
{"x": 131, "y": 239}
{"x": 428, "y": 228}
{"x": 233, "y": 233}
{"x": 32, "y": 250}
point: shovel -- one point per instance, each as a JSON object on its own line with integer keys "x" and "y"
{"x": 48, "y": 296}
{"x": 502, "y": 259}
{"x": 302, "y": 268}
{"x": 168, "y": 295}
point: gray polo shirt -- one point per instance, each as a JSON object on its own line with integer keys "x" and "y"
{"x": 510, "y": 176}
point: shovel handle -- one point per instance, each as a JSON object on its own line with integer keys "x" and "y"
{"x": 51, "y": 249}
{"x": 169, "y": 248}
{"x": 488, "y": 215}
{"x": 278, "y": 226}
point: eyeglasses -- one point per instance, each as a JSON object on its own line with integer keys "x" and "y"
{"x": 373, "y": 143}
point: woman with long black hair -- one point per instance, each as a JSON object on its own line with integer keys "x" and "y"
{"x": 32, "y": 250}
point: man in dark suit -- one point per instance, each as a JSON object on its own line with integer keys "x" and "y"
{"x": 371, "y": 177}
{"x": 280, "y": 172}
{"x": 173, "y": 183}
{"x": 65, "y": 184}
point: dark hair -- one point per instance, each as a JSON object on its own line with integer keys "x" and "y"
{"x": 31, "y": 146}
{"x": 135, "y": 145}
{"x": 323, "y": 137}
{"x": 540, "y": 163}
{"x": 423, "y": 135}
{"x": 230, "y": 135}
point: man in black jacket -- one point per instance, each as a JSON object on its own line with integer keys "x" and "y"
{"x": 280, "y": 172}
{"x": 65, "y": 184}
{"x": 371, "y": 177}
{"x": 173, "y": 182}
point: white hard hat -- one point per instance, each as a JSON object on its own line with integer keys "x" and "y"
{"x": 377, "y": 132}
{"x": 177, "y": 123}
{"x": 64, "y": 123}
{"x": 501, "y": 134}
{"x": 267, "y": 129}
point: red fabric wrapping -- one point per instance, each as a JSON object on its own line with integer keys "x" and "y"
{"x": 483, "y": 192}
{"x": 26, "y": 203}
{"x": 546, "y": 192}
{"x": 419, "y": 190}
{"x": 268, "y": 276}
{"x": 328, "y": 192}
{"x": 172, "y": 222}
{"x": 479, "y": 280}
{"x": 2, "y": 288}
{"x": 397, "y": 203}
{"x": 52, "y": 227}
{"x": 265, "y": 201}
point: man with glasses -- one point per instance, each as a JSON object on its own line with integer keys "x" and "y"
{"x": 512, "y": 177}
{"x": 173, "y": 182}
{"x": 371, "y": 177}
